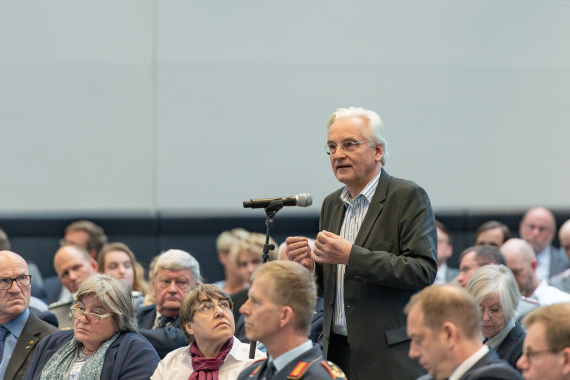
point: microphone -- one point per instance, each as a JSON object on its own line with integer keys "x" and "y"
{"x": 301, "y": 200}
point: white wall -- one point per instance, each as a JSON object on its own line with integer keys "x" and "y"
{"x": 198, "y": 106}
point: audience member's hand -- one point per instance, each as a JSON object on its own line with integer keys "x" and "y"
{"x": 298, "y": 250}
{"x": 331, "y": 249}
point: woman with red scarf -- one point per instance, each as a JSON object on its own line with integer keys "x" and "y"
{"x": 214, "y": 353}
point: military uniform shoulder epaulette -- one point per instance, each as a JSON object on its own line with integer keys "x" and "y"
{"x": 333, "y": 369}
{"x": 529, "y": 300}
{"x": 59, "y": 304}
{"x": 258, "y": 367}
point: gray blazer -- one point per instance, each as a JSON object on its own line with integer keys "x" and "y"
{"x": 559, "y": 261}
{"x": 34, "y": 331}
{"x": 394, "y": 256}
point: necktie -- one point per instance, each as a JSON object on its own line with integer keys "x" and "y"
{"x": 163, "y": 321}
{"x": 270, "y": 371}
{"x": 485, "y": 340}
{"x": 3, "y": 333}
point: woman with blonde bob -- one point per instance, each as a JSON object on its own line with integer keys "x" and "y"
{"x": 103, "y": 344}
{"x": 117, "y": 260}
{"x": 214, "y": 353}
{"x": 496, "y": 291}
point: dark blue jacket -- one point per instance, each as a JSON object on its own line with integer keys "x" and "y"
{"x": 130, "y": 357}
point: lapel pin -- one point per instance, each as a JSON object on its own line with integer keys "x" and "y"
{"x": 31, "y": 342}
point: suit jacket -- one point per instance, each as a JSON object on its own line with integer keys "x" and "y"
{"x": 53, "y": 287}
{"x": 510, "y": 350}
{"x": 489, "y": 367}
{"x": 559, "y": 261}
{"x": 316, "y": 368}
{"x": 561, "y": 281}
{"x": 394, "y": 256}
{"x": 34, "y": 331}
{"x": 163, "y": 340}
{"x": 129, "y": 357}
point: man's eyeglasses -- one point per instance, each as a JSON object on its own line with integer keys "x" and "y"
{"x": 530, "y": 353}
{"x": 349, "y": 146}
{"x": 92, "y": 318}
{"x": 207, "y": 308}
{"x": 23, "y": 280}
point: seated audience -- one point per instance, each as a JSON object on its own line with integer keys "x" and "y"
{"x": 103, "y": 343}
{"x": 495, "y": 290}
{"x": 546, "y": 352}
{"x": 562, "y": 280}
{"x": 492, "y": 233}
{"x": 117, "y": 260}
{"x": 85, "y": 234}
{"x": 248, "y": 256}
{"x": 522, "y": 262}
{"x": 278, "y": 314}
{"x": 444, "y": 253}
{"x": 20, "y": 330}
{"x": 208, "y": 323}
{"x": 174, "y": 274}
{"x": 538, "y": 228}
{"x": 234, "y": 280}
{"x": 444, "y": 324}
{"x": 73, "y": 266}
{"x": 474, "y": 258}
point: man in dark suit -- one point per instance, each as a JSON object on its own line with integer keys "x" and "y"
{"x": 546, "y": 353}
{"x": 20, "y": 330}
{"x": 538, "y": 228}
{"x": 445, "y": 274}
{"x": 444, "y": 324}
{"x": 174, "y": 274}
{"x": 377, "y": 247}
{"x": 278, "y": 314}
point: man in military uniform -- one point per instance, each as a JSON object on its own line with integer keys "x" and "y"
{"x": 278, "y": 314}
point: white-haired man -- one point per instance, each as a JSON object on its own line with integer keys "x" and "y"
{"x": 522, "y": 262}
{"x": 174, "y": 274}
{"x": 377, "y": 247}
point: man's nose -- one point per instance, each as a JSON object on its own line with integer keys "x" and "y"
{"x": 15, "y": 288}
{"x": 172, "y": 287}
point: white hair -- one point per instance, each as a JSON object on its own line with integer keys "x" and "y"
{"x": 373, "y": 127}
{"x": 176, "y": 259}
{"x": 495, "y": 279}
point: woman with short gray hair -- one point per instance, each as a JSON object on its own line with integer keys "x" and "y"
{"x": 103, "y": 344}
{"x": 495, "y": 289}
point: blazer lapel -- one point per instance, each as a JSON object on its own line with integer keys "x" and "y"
{"x": 374, "y": 210}
{"x": 24, "y": 346}
{"x": 337, "y": 217}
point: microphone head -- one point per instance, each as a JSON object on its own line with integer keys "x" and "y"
{"x": 304, "y": 200}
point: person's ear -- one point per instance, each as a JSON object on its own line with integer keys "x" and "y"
{"x": 94, "y": 265}
{"x": 566, "y": 362}
{"x": 188, "y": 327}
{"x": 286, "y": 316}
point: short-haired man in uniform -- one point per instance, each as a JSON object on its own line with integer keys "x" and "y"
{"x": 278, "y": 314}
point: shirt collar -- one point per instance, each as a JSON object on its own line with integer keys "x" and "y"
{"x": 284, "y": 359}
{"x": 367, "y": 192}
{"x": 496, "y": 341}
{"x": 16, "y": 325}
{"x": 470, "y": 362}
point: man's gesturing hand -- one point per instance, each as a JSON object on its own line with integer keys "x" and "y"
{"x": 298, "y": 250}
{"x": 331, "y": 249}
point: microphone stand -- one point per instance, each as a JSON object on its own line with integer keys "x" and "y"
{"x": 270, "y": 211}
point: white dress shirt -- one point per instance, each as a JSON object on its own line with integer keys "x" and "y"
{"x": 441, "y": 277}
{"x": 177, "y": 365}
{"x": 548, "y": 295}
{"x": 543, "y": 260}
{"x": 470, "y": 362}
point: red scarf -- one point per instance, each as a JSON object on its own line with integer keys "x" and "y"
{"x": 208, "y": 369}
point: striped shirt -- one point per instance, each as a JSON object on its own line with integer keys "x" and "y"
{"x": 355, "y": 212}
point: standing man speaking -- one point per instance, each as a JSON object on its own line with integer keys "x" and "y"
{"x": 376, "y": 248}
